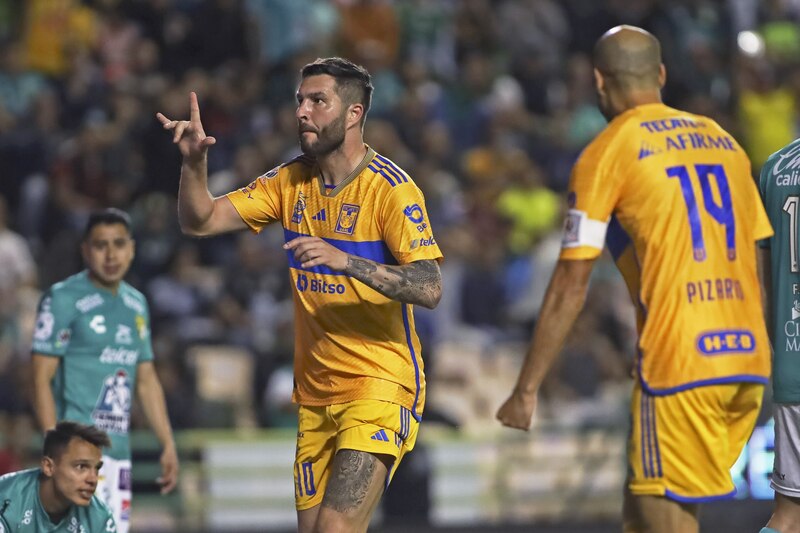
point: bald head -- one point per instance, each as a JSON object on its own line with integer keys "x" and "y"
{"x": 630, "y": 55}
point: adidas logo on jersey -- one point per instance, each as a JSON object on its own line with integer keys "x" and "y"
{"x": 380, "y": 435}
{"x": 320, "y": 215}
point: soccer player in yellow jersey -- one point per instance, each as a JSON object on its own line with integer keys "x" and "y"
{"x": 671, "y": 195}
{"x": 361, "y": 253}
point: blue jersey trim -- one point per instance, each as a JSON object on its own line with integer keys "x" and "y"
{"x": 373, "y": 250}
{"x": 698, "y": 499}
{"x": 407, "y": 326}
{"x": 738, "y": 378}
{"x": 646, "y": 407}
{"x": 655, "y": 436}
{"x": 379, "y": 170}
{"x": 617, "y": 239}
{"x": 642, "y": 439}
{"x": 393, "y": 169}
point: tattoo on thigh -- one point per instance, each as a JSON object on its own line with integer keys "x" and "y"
{"x": 350, "y": 480}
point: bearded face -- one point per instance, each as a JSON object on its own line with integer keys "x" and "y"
{"x": 323, "y": 140}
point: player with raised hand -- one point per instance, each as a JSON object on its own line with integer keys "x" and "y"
{"x": 361, "y": 254}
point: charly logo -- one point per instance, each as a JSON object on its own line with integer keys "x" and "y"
{"x": 98, "y": 324}
{"x": 348, "y": 216}
{"x": 299, "y": 207}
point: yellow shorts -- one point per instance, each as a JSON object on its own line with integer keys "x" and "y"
{"x": 682, "y": 446}
{"x": 372, "y": 426}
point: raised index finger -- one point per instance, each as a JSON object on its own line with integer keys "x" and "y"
{"x": 194, "y": 108}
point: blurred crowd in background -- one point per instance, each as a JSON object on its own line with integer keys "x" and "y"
{"x": 486, "y": 104}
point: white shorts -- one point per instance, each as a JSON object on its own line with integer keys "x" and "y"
{"x": 114, "y": 488}
{"x": 786, "y": 472}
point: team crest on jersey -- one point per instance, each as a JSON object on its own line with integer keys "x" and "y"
{"x": 141, "y": 327}
{"x": 112, "y": 410}
{"x": 299, "y": 207}
{"x": 348, "y": 216}
{"x": 123, "y": 335}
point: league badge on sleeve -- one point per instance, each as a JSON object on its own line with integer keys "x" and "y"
{"x": 414, "y": 214}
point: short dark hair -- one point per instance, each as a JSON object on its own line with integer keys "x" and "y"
{"x": 353, "y": 82}
{"x": 57, "y": 439}
{"x": 109, "y": 215}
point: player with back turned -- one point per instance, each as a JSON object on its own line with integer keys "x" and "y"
{"x": 671, "y": 196}
{"x": 361, "y": 254}
{"x": 780, "y": 269}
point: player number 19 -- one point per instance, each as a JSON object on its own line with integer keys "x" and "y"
{"x": 790, "y": 206}
{"x": 722, "y": 212}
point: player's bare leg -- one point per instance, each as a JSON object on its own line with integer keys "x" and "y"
{"x": 656, "y": 514}
{"x": 786, "y": 517}
{"x": 354, "y": 489}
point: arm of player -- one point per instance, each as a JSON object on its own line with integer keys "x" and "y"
{"x": 44, "y": 406}
{"x": 151, "y": 398}
{"x": 562, "y": 304}
{"x": 199, "y": 213}
{"x": 764, "y": 262}
{"x": 417, "y": 283}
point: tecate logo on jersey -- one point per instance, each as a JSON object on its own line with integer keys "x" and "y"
{"x": 418, "y": 243}
{"x": 725, "y": 342}
{"x": 318, "y": 285}
{"x": 119, "y": 356}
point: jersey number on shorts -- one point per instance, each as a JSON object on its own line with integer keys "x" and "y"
{"x": 305, "y": 479}
{"x": 721, "y": 213}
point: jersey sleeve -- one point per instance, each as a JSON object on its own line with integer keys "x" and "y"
{"x": 259, "y": 203}
{"x": 763, "y": 180}
{"x": 54, "y": 318}
{"x": 144, "y": 331}
{"x": 405, "y": 226}
{"x": 592, "y": 194}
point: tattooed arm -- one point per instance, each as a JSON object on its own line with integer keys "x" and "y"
{"x": 417, "y": 283}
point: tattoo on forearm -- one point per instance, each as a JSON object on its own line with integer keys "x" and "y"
{"x": 418, "y": 283}
{"x": 350, "y": 480}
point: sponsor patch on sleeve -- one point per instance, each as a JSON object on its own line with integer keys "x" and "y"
{"x": 580, "y": 230}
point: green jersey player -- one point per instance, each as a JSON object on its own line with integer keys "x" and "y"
{"x": 92, "y": 350}
{"x": 59, "y": 496}
{"x": 780, "y": 270}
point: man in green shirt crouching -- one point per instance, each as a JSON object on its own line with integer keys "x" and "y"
{"x": 59, "y": 495}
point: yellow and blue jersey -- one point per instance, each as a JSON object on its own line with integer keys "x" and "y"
{"x": 671, "y": 195}
{"x": 351, "y": 342}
